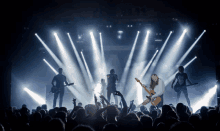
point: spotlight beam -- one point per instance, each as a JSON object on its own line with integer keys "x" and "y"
{"x": 147, "y": 67}
{"x": 35, "y": 96}
{"x": 73, "y": 74}
{"x": 80, "y": 63}
{"x": 87, "y": 68}
{"x": 187, "y": 52}
{"x": 152, "y": 67}
{"x": 103, "y": 56}
{"x": 97, "y": 61}
{"x": 128, "y": 63}
{"x": 205, "y": 100}
{"x": 50, "y": 52}
{"x": 137, "y": 69}
{"x": 51, "y": 67}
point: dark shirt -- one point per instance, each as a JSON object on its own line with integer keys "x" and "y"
{"x": 112, "y": 80}
{"x": 60, "y": 79}
{"x": 181, "y": 78}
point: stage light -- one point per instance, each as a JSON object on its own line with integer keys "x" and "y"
{"x": 91, "y": 33}
{"x": 138, "y": 31}
{"x": 171, "y": 31}
{"x": 97, "y": 60}
{"x": 55, "y": 33}
{"x": 35, "y": 33}
{"x": 100, "y": 33}
{"x": 128, "y": 63}
{"x": 110, "y": 26}
{"x": 128, "y": 25}
{"x": 103, "y": 58}
{"x": 119, "y": 37}
{"x": 131, "y": 25}
{"x": 80, "y": 63}
{"x": 188, "y": 51}
{"x": 195, "y": 56}
{"x": 120, "y": 32}
{"x": 205, "y": 100}
{"x": 67, "y": 33}
{"x": 36, "y": 97}
{"x": 204, "y": 30}
{"x": 51, "y": 67}
{"x": 185, "y": 30}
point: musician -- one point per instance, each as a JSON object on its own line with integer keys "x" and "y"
{"x": 103, "y": 86}
{"x": 111, "y": 87}
{"x": 181, "y": 81}
{"x": 158, "y": 86}
{"x": 59, "y": 79}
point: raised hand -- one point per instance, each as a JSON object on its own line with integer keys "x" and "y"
{"x": 118, "y": 93}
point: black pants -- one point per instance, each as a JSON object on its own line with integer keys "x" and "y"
{"x": 61, "y": 97}
{"x": 109, "y": 91}
{"x": 184, "y": 90}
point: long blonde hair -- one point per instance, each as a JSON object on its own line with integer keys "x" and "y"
{"x": 153, "y": 83}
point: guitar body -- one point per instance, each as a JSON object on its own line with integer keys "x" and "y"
{"x": 154, "y": 102}
{"x": 55, "y": 89}
{"x": 178, "y": 87}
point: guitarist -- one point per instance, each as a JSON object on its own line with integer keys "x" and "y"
{"x": 60, "y": 79}
{"x": 158, "y": 86}
{"x": 181, "y": 81}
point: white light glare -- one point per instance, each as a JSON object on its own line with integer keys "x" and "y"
{"x": 120, "y": 32}
{"x": 204, "y": 30}
{"x": 100, "y": 33}
{"x": 195, "y": 56}
{"x": 185, "y": 30}
{"x": 55, "y": 33}
{"x": 171, "y": 31}
{"x": 36, "y": 97}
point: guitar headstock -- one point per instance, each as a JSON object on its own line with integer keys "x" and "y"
{"x": 70, "y": 84}
{"x": 137, "y": 80}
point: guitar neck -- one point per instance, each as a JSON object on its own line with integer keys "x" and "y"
{"x": 145, "y": 88}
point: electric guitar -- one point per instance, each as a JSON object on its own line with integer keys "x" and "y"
{"x": 178, "y": 87}
{"x": 152, "y": 92}
{"x": 55, "y": 89}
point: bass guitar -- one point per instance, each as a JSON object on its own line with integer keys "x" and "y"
{"x": 55, "y": 89}
{"x": 152, "y": 92}
{"x": 178, "y": 87}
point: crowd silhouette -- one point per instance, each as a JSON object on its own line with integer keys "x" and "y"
{"x": 101, "y": 116}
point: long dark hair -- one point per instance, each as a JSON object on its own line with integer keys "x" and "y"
{"x": 153, "y": 83}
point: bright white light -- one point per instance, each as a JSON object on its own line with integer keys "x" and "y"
{"x": 131, "y": 25}
{"x": 100, "y": 33}
{"x": 137, "y": 70}
{"x": 73, "y": 74}
{"x": 204, "y": 30}
{"x": 188, "y": 51}
{"x": 103, "y": 59}
{"x": 110, "y": 26}
{"x": 185, "y": 30}
{"x": 157, "y": 50}
{"x": 128, "y": 63}
{"x": 148, "y": 31}
{"x": 55, "y": 33}
{"x": 51, "y": 67}
{"x": 119, "y": 36}
{"x": 68, "y": 33}
{"x": 128, "y": 25}
{"x": 205, "y": 100}
{"x": 138, "y": 31}
{"x": 36, "y": 97}
{"x": 50, "y": 52}
{"x": 98, "y": 89}
{"x": 195, "y": 56}
{"x": 87, "y": 69}
{"x": 120, "y": 32}
{"x": 35, "y": 33}
{"x": 171, "y": 31}
{"x": 91, "y": 33}
{"x": 80, "y": 63}
{"x": 79, "y": 37}
{"x": 97, "y": 61}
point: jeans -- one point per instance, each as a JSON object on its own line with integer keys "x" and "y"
{"x": 184, "y": 90}
{"x": 61, "y": 97}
